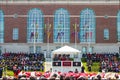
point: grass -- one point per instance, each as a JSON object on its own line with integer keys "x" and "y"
{"x": 95, "y": 67}
{"x": 8, "y": 73}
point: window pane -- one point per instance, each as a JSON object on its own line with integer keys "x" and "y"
{"x": 61, "y": 26}
{"x": 35, "y": 26}
{"x": 84, "y": 49}
{"x": 31, "y": 49}
{"x": 15, "y": 33}
{"x": 1, "y": 26}
{"x": 118, "y": 26}
{"x": 87, "y": 26}
{"x": 37, "y": 48}
{"x": 106, "y": 34}
{"x": 90, "y": 49}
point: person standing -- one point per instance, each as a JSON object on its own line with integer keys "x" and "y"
{"x": 82, "y": 69}
{"x": 1, "y": 71}
{"x": 89, "y": 68}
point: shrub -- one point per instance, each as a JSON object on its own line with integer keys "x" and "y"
{"x": 83, "y": 59}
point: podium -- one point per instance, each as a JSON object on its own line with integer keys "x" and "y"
{"x": 66, "y": 66}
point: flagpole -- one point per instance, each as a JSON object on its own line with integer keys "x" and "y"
{"x": 62, "y": 36}
{"x": 48, "y": 36}
{"x": 89, "y": 39}
{"x": 34, "y": 40}
{"x": 75, "y": 27}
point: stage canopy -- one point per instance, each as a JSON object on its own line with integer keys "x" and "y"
{"x": 66, "y": 50}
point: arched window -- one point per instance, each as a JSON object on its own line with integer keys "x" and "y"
{"x": 87, "y": 25}
{"x": 35, "y": 26}
{"x": 118, "y": 26}
{"x": 61, "y": 26}
{"x": 1, "y": 26}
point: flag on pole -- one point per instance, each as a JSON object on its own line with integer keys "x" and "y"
{"x": 88, "y": 35}
{"x": 45, "y": 32}
{"x": 49, "y": 31}
{"x": 36, "y": 35}
{"x": 45, "y": 27}
{"x": 31, "y": 35}
{"x": 75, "y": 33}
{"x": 75, "y": 26}
{"x": 60, "y": 35}
{"x": 36, "y": 25}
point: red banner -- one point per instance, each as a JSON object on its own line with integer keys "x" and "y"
{"x": 66, "y": 63}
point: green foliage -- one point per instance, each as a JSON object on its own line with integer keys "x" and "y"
{"x": 119, "y": 59}
{"x": 95, "y": 66}
{"x": 83, "y": 59}
{"x": 8, "y": 73}
{"x": 71, "y": 59}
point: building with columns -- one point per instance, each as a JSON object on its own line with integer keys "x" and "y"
{"x": 35, "y": 26}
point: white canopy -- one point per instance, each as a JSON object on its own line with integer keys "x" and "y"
{"x": 66, "y": 50}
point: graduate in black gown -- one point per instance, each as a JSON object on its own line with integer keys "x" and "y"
{"x": 82, "y": 69}
{"x": 1, "y": 71}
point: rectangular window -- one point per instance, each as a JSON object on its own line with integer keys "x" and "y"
{"x": 84, "y": 49}
{"x": 106, "y": 34}
{"x": 90, "y": 49}
{"x": 38, "y": 49}
{"x": 15, "y": 33}
{"x": 31, "y": 49}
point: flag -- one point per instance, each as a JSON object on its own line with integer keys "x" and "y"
{"x": 75, "y": 32}
{"x": 36, "y": 25}
{"x": 36, "y": 35}
{"x": 45, "y": 27}
{"x": 75, "y": 26}
{"x": 45, "y": 33}
{"x": 31, "y": 35}
{"x": 88, "y": 35}
{"x": 60, "y": 34}
{"x": 49, "y": 31}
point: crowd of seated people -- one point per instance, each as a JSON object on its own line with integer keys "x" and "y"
{"x": 108, "y": 62}
{"x": 59, "y": 57}
{"x": 23, "y": 61}
{"x": 66, "y": 76}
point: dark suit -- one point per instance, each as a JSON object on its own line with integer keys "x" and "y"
{"x": 1, "y": 71}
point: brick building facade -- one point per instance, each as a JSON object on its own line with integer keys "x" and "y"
{"x": 15, "y": 16}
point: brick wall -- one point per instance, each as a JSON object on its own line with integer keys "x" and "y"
{"x": 21, "y": 22}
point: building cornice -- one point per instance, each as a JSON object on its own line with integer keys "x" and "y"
{"x": 89, "y": 2}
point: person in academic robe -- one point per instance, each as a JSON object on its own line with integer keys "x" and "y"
{"x": 1, "y": 71}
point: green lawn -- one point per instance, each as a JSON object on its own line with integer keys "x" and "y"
{"x": 8, "y": 73}
{"x": 95, "y": 66}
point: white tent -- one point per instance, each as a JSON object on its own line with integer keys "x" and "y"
{"x": 66, "y": 50}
